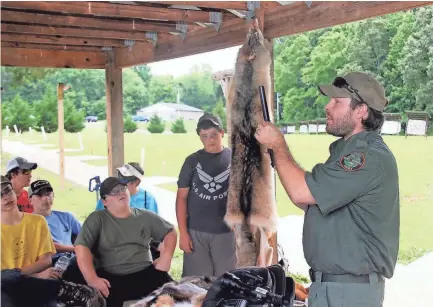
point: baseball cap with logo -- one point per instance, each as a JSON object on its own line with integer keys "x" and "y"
{"x": 37, "y": 186}
{"x": 131, "y": 170}
{"x": 360, "y": 86}
{"x": 108, "y": 184}
{"x": 21, "y": 163}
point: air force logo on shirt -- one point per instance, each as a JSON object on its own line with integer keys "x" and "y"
{"x": 211, "y": 184}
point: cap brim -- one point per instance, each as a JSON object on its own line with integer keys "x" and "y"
{"x": 129, "y": 172}
{"x": 36, "y": 192}
{"x": 333, "y": 91}
{"x": 28, "y": 166}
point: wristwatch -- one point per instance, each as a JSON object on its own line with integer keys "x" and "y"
{"x": 16, "y": 270}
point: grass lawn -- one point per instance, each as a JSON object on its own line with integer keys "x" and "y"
{"x": 165, "y": 154}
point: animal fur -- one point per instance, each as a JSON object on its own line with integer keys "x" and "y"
{"x": 251, "y": 207}
{"x": 188, "y": 292}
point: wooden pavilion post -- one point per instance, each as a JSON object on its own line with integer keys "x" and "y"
{"x": 114, "y": 105}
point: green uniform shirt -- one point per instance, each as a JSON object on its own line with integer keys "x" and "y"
{"x": 121, "y": 245}
{"x": 354, "y": 228}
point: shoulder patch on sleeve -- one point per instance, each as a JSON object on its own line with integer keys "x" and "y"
{"x": 353, "y": 161}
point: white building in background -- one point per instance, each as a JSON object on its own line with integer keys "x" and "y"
{"x": 171, "y": 111}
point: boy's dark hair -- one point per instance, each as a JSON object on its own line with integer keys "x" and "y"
{"x": 208, "y": 121}
{"x": 14, "y": 171}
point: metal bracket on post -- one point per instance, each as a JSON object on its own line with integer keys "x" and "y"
{"x": 107, "y": 48}
{"x": 308, "y": 3}
{"x": 251, "y": 7}
{"x": 182, "y": 26}
{"x": 129, "y": 43}
{"x": 216, "y": 19}
{"x": 152, "y": 35}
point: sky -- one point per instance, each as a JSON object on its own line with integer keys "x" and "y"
{"x": 219, "y": 60}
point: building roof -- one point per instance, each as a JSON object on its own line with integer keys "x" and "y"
{"x": 174, "y": 106}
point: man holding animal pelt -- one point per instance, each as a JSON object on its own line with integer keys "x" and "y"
{"x": 207, "y": 242}
{"x": 351, "y": 202}
{"x": 118, "y": 237}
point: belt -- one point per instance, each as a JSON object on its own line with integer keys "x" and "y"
{"x": 343, "y": 278}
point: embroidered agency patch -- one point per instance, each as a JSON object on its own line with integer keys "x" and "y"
{"x": 353, "y": 161}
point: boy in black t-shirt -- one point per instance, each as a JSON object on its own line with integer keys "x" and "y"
{"x": 207, "y": 242}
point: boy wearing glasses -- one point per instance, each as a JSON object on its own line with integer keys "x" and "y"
{"x": 63, "y": 225}
{"x": 118, "y": 237}
{"x": 27, "y": 277}
{"x": 351, "y": 202}
{"x": 131, "y": 173}
{"x": 19, "y": 172}
{"x": 207, "y": 241}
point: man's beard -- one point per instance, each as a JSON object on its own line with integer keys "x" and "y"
{"x": 344, "y": 126}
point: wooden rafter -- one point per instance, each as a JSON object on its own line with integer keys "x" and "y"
{"x": 226, "y": 5}
{"x": 44, "y": 39}
{"x": 110, "y": 10}
{"x": 22, "y": 57}
{"x": 84, "y": 22}
{"x": 76, "y": 32}
{"x": 284, "y": 20}
{"x": 50, "y": 47}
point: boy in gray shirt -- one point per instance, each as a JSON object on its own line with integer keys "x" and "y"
{"x": 207, "y": 242}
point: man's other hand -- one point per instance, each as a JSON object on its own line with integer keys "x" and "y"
{"x": 269, "y": 135}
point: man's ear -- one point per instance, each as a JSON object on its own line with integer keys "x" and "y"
{"x": 362, "y": 111}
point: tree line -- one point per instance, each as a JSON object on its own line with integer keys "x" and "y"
{"x": 396, "y": 49}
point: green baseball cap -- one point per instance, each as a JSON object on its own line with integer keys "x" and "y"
{"x": 357, "y": 85}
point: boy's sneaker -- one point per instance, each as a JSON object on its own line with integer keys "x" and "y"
{"x": 80, "y": 295}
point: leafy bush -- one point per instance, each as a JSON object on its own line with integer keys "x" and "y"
{"x": 178, "y": 126}
{"x": 46, "y": 112}
{"x": 156, "y": 125}
{"x": 19, "y": 113}
{"x": 129, "y": 126}
{"x": 220, "y": 111}
{"x": 74, "y": 119}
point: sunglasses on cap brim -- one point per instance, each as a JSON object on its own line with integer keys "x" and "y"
{"x": 342, "y": 83}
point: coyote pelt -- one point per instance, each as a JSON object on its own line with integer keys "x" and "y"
{"x": 189, "y": 291}
{"x": 251, "y": 207}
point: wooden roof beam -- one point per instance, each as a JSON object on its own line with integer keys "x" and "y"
{"x": 51, "y": 47}
{"x": 284, "y": 20}
{"x": 80, "y": 41}
{"x": 21, "y": 57}
{"x": 83, "y": 22}
{"x": 110, "y": 10}
{"x": 225, "y": 5}
{"x": 297, "y": 17}
{"x": 77, "y": 32}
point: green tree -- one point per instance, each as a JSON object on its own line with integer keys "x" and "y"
{"x": 46, "y": 112}
{"x": 135, "y": 95}
{"x": 156, "y": 125}
{"x": 417, "y": 65}
{"x": 144, "y": 72}
{"x": 19, "y": 113}
{"x": 178, "y": 126}
{"x": 129, "y": 126}
{"x": 73, "y": 119}
{"x": 162, "y": 88}
{"x": 220, "y": 111}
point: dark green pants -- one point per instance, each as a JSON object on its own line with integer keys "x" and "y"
{"x": 334, "y": 294}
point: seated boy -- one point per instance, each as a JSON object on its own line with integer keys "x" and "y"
{"x": 119, "y": 237}
{"x": 27, "y": 278}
